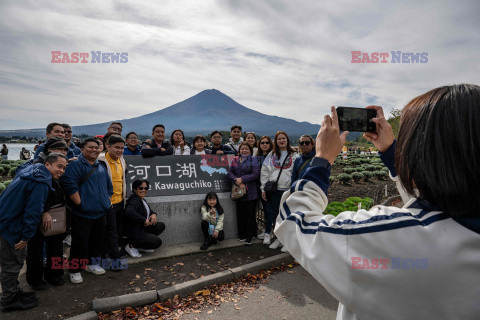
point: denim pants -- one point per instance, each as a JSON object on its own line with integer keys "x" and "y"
{"x": 11, "y": 262}
{"x": 272, "y": 209}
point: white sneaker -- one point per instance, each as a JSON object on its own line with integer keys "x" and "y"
{"x": 95, "y": 269}
{"x": 275, "y": 244}
{"x": 284, "y": 249}
{"x": 76, "y": 277}
{"x": 266, "y": 239}
{"x": 132, "y": 251}
{"x": 145, "y": 250}
{"x": 68, "y": 240}
{"x": 261, "y": 236}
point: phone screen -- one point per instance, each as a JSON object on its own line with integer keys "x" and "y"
{"x": 356, "y": 119}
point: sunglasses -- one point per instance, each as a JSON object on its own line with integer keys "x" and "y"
{"x": 265, "y": 142}
{"x": 304, "y": 143}
{"x": 142, "y": 188}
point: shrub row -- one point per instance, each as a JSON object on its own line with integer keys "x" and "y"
{"x": 357, "y": 176}
{"x": 351, "y": 204}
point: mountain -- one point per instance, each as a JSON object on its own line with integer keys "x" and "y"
{"x": 201, "y": 114}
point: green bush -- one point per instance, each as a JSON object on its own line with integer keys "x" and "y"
{"x": 344, "y": 177}
{"x": 348, "y": 170}
{"x": 357, "y": 176}
{"x": 369, "y": 167}
{"x": 381, "y": 175}
{"x": 12, "y": 171}
{"x": 332, "y": 179}
{"x": 6, "y": 183}
{"x": 367, "y": 175}
{"x": 357, "y": 161}
{"x": 2, "y": 187}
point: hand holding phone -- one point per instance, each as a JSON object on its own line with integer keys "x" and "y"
{"x": 356, "y": 119}
{"x": 329, "y": 141}
{"x": 383, "y": 137}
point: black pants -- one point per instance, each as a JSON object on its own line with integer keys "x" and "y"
{"x": 87, "y": 237}
{"x": 149, "y": 239}
{"x": 246, "y": 219}
{"x": 208, "y": 238}
{"x": 113, "y": 231}
{"x": 11, "y": 262}
{"x": 54, "y": 246}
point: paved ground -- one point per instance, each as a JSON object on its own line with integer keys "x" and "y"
{"x": 291, "y": 294}
{"x": 70, "y": 299}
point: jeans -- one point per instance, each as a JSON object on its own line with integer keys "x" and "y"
{"x": 272, "y": 209}
{"x": 113, "y": 231}
{"x": 11, "y": 262}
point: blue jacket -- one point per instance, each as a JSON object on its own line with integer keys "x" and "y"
{"x": 39, "y": 149}
{"x": 95, "y": 192}
{"x": 128, "y": 152}
{"x": 298, "y": 163}
{"x": 73, "y": 151}
{"x": 21, "y": 204}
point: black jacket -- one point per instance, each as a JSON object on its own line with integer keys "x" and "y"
{"x": 135, "y": 216}
{"x": 156, "y": 151}
{"x": 225, "y": 148}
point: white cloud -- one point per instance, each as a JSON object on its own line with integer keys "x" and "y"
{"x": 288, "y": 58}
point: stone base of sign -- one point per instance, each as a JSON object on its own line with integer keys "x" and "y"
{"x": 182, "y": 217}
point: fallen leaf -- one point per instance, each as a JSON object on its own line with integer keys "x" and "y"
{"x": 210, "y": 311}
{"x": 137, "y": 276}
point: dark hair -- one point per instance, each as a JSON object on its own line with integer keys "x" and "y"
{"x": 276, "y": 148}
{"x": 116, "y": 122}
{"x": 115, "y": 138}
{"x": 171, "y": 137}
{"x": 156, "y": 126}
{"x": 214, "y": 133}
{"x": 55, "y": 143}
{"x": 198, "y": 137}
{"x": 438, "y": 149}
{"x": 213, "y": 195}
{"x": 137, "y": 183}
{"x": 259, "y": 151}
{"x": 51, "y": 125}
{"x": 53, "y": 157}
{"x": 307, "y": 136}
{"x": 131, "y": 132}
{"x": 255, "y": 144}
{"x": 245, "y": 144}
{"x": 66, "y": 126}
{"x": 236, "y": 126}
{"x": 90, "y": 139}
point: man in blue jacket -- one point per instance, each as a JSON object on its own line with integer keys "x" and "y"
{"x": 159, "y": 146}
{"x": 87, "y": 184}
{"x": 307, "y": 147}
{"x": 21, "y": 206}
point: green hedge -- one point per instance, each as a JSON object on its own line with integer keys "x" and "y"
{"x": 351, "y": 204}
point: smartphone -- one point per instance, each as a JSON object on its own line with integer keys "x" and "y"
{"x": 356, "y": 119}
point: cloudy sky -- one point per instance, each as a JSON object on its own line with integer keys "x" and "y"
{"x": 286, "y": 58}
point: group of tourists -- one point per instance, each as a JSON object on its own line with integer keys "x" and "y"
{"x": 88, "y": 180}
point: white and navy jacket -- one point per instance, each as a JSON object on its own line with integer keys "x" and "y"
{"x": 389, "y": 263}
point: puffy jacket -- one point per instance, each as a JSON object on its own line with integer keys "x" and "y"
{"x": 207, "y": 216}
{"x": 22, "y": 203}
{"x": 249, "y": 171}
{"x": 95, "y": 192}
{"x": 271, "y": 169}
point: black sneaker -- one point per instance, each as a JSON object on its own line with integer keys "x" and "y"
{"x": 55, "y": 281}
{"x": 27, "y": 295}
{"x": 205, "y": 245}
{"x": 38, "y": 286}
{"x": 19, "y": 303}
{"x": 249, "y": 241}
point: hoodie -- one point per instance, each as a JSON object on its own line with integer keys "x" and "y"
{"x": 21, "y": 204}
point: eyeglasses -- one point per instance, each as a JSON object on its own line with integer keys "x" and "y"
{"x": 142, "y": 188}
{"x": 116, "y": 129}
{"x": 304, "y": 143}
{"x": 265, "y": 142}
{"x": 68, "y": 131}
